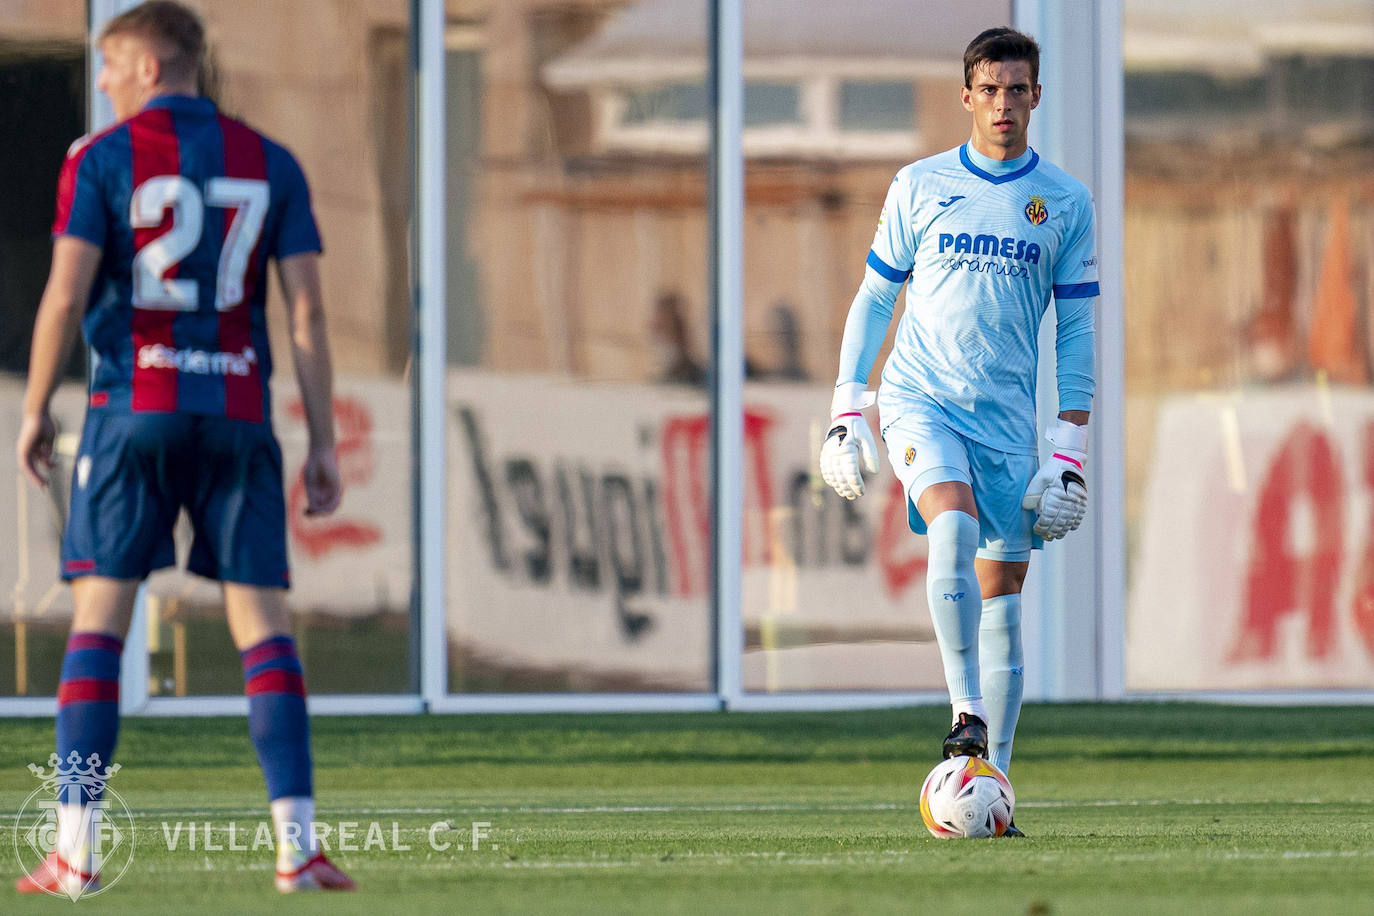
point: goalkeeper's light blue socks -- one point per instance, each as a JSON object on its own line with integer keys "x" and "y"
{"x": 980, "y": 641}
{"x": 999, "y": 649}
{"x": 956, "y": 605}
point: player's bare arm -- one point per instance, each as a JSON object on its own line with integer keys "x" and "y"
{"x": 300, "y": 283}
{"x": 74, "y": 263}
{"x": 1076, "y": 417}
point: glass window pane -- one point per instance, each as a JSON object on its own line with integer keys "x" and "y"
{"x": 42, "y": 110}
{"x": 577, "y": 424}
{"x": 1248, "y": 242}
{"x": 666, "y": 103}
{"x": 771, "y": 103}
{"x": 765, "y": 103}
{"x": 330, "y": 82}
{"x": 877, "y": 106}
{"x": 834, "y": 591}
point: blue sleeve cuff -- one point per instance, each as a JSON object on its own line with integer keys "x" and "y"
{"x": 1070, "y": 290}
{"x": 888, "y": 273}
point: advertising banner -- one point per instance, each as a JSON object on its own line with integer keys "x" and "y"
{"x": 580, "y": 540}
{"x": 579, "y": 536}
{"x": 1255, "y": 564}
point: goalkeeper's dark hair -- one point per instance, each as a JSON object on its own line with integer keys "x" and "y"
{"x": 999, "y": 45}
{"x": 174, "y": 31}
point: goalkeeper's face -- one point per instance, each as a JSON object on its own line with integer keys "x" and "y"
{"x": 1001, "y": 98}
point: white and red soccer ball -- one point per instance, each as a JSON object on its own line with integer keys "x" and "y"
{"x": 966, "y": 797}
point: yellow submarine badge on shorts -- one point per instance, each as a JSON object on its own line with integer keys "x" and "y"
{"x": 1036, "y": 211}
{"x": 910, "y": 454}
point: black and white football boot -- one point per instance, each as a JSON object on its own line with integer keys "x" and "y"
{"x": 968, "y": 737}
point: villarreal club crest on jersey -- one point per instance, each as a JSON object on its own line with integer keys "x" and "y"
{"x": 1036, "y": 211}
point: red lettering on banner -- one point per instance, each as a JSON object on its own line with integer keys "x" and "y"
{"x": 898, "y": 571}
{"x": 684, "y": 491}
{"x": 318, "y": 536}
{"x": 758, "y": 489}
{"x": 687, "y": 508}
{"x": 1363, "y": 604}
{"x": 1280, "y": 583}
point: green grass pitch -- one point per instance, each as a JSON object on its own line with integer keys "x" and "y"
{"x": 1130, "y": 808}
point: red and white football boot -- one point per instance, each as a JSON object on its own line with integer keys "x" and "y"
{"x": 318, "y": 874}
{"x": 54, "y": 876}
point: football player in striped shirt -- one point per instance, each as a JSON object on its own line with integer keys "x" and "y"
{"x": 165, "y": 226}
{"x": 983, "y": 236}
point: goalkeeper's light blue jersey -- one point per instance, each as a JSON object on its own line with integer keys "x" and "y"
{"x": 984, "y": 244}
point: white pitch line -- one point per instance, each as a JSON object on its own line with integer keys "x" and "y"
{"x": 260, "y": 813}
{"x": 743, "y": 807}
{"x": 1189, "y": 802}
{"x": 779, "y": 858}
{"x": 548, "y": 809}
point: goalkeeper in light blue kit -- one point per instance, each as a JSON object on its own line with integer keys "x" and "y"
{"x": 983, "y": 235}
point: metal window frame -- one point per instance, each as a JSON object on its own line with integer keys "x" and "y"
{"x": 1076, "y": 590}
{"x": 726, "y": 220}
{"x": 1070, "y": 615}
{"x": 726, "y": 270}
{"x": 1111, "y": 437}
{"x": 430, "y": 344}
{"x": 1104, "y": 596}
{"x": 427, "y": 28}
{"x": 726, "y": 199}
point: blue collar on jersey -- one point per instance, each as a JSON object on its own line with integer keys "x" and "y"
{"x": 184, "y": 104}
{"x": 1023, "y": 164}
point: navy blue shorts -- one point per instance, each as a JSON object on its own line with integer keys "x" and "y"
{"x": 136, "y": 472}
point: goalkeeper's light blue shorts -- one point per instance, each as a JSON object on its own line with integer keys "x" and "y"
{"x": 924, "y": 451}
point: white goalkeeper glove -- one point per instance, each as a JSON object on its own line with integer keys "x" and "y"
{"x": 1059, "y": 490}
{"x": 849, "y": 443}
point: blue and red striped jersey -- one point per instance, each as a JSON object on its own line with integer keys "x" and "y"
{"x": 188, "y": 206}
